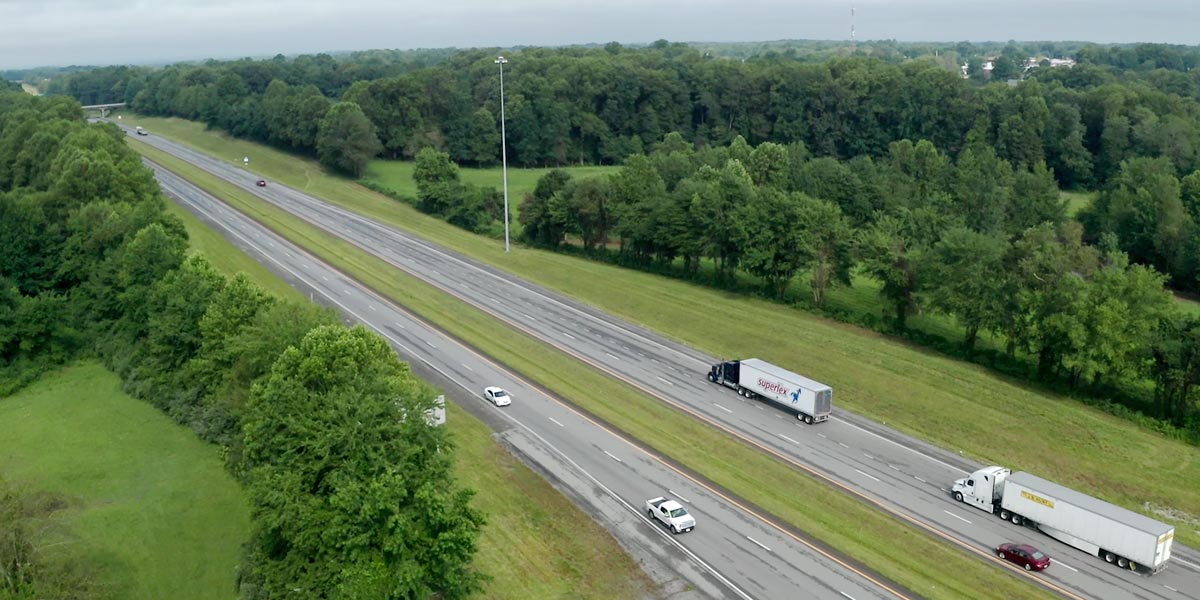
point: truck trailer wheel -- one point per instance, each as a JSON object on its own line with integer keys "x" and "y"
{"x": 1016, "y": 519}
{"x": 1004, "y": 515}
{"x": 808, "y": 420}
{"x": 1109, "y": 556}
{"x": 1122, "y": 562}
{"x": 958, "y": 496}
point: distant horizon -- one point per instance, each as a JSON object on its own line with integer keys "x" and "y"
{"x": 269, "y": 55}
{"x": 112, "y": 32}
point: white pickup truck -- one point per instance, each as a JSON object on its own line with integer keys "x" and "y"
{"x": 671, "y": 513}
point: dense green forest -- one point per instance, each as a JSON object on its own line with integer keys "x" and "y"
{"x": 92, "y": 265}
{"x": 976, "y": 239}
{"x": 602, "y": 104}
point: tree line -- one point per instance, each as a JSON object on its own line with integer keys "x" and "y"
{"x": 92, "y": 265}
{"x": 978, "y": 239}
{"x": 602, "y": 104}
{"x": 599, "y": 105}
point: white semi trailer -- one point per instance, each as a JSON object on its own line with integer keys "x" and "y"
{"x": 1120, "y": 536}
{"x": 753, "y": 378}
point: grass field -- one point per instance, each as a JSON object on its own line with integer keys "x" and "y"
{"x": 536, "y": 544}
{"x": 397, "y": 175}
{"x": 150, "y": 505}
{"x": 920, "y": 563}
{"x": 1077, "y": 201}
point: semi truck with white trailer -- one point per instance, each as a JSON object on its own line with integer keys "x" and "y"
{"x": 754, "y": 378}
{"x": 1128, "y": 539}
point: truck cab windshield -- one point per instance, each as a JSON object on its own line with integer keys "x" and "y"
{"x": 679, "y": 512}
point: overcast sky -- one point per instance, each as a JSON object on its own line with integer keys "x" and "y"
{"x": 102, "y": 32}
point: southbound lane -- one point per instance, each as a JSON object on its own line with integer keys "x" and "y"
{"x": 731, "y": 553}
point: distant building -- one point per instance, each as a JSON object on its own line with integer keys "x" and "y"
{"x": 1036, "y": 61}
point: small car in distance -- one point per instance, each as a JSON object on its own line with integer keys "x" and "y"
{"x": 141, "y": 131}
{"x": 261, "y": 183}
{"x": 1023, "y": 555}
{"x": 496, "y": 396}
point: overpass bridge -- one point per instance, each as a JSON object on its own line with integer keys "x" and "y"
{"x": 104, "y": 108}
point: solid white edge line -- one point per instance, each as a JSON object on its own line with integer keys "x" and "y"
{"x": 669, "y": 539}
{"x": 1192, "y": 565}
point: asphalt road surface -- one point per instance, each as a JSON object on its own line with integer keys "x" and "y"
{"x": 731, "y": 553}
{"x": 898, "y": 473}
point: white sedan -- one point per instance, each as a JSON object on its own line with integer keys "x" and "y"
{"x": 497, "y": 396}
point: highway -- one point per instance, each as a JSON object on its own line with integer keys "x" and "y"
{"x": 898, "y": 473}
{"x": 731, "y": 554}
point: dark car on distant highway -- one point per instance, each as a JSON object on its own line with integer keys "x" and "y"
{"x": 1023, "y": 555}
{"x": 261, "y": 183}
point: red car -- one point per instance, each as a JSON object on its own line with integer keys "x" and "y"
{"x": 1024, "y": 555}
{"x": 261, "y": 183}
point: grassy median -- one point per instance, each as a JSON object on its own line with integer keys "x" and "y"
{"x": 915, "y": 560}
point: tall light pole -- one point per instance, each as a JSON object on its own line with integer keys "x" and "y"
{"x": 503, "y": 149}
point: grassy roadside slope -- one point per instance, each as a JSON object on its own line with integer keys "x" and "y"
{"x": 956, "y": 405}
{"x": 150, "y": 505}
{"x": 919, "y": 562}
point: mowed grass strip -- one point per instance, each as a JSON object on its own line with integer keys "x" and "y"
{"x": 900, "y": 552}
{"x": 150, "y": 505}
{"x": 1077, "y": 201}
{"x": 951, "y": 403}
{"x": 537, "y": 544}
{"x": 397, "y": 175}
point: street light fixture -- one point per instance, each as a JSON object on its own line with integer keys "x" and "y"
{"x": 503, "y": 149}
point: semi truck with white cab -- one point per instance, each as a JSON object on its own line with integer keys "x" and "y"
{"x": 1128, "y": 539}
{"x": 670, "y": 513}
{"x": 753, "y": 378}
